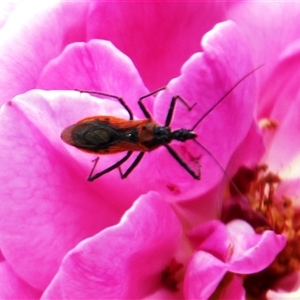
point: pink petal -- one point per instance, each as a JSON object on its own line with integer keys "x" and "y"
{"x": 123, "y": 261}
{"x": 250, "y": 151}
{"x": 32, "y": 36}
{"x": 205, "y": 79}
{"x": 115, "y": 75}
{"x": 203, "y": 275}
{"x": 95, "y": 66}
{"x": 238, "y": 245}
{"x": 282, "y": 85}
{"x": 212, "y": 237}
{"x": 236, "y": 249}
{"x": 12, "y": 287}
{"x": 252, "y": 252}
{"x": 256, "y": 19}
{"x": 283, "y": 154}
{"x": 158, "y": 36}
{"x": 47, "y": 204}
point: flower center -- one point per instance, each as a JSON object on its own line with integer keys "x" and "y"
{"x": 278, "y": 214}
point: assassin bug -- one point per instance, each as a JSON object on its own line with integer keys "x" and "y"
{"x": 108, "y": 134}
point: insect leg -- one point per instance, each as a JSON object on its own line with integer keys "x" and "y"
{"x": 142, "y": 105}
{"x": 134, "y": 164}
{"x": 172, "y": 108}
{"x": 121, "y": 100}
{"x": 183, "y": 163}
{"x": 95, "y": 164}
{"x": 116, "y": 165}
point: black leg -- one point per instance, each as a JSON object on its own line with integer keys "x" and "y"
{"x": 94, "y": 166}
{"x": 183, "y": 163}
{"x": 112, "y": 96}
{"x": 134, "y": 164}
{"x": 142, "y": 105}
{"x": 172, "y": 107}
{"x": 117, "y": 164}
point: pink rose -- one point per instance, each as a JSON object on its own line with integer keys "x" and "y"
{"x": 59, "y": 237}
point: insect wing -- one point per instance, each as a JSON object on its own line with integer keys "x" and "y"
{"x": 104, "y": 135}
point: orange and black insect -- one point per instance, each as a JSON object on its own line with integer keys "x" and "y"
{"x": 108, "y": 134}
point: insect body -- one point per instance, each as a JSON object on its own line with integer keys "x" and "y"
{"x": 108, "y": 135}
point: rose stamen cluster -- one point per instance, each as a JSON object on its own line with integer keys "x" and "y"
{"x": 260, "y": 187}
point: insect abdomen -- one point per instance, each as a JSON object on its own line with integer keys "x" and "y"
{"x": 101, "y": 137}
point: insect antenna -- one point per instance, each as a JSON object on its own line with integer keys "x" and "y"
{"x": 224, "y": 96}
{"x": 206, "y": 150}
{"x": 223, "y": 170}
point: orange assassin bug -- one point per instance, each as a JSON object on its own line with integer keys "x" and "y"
{"x": 108, "y": 134}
